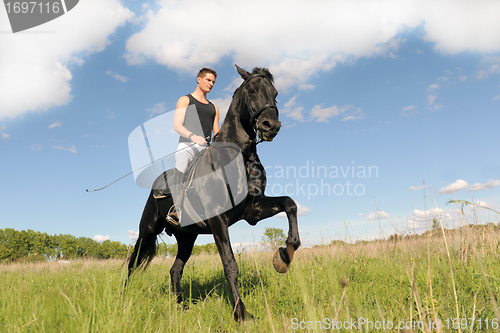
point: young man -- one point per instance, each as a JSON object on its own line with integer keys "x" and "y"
{"x": 196, "y": 119}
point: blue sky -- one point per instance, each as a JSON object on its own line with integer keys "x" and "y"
{"x": 400, "y": 92}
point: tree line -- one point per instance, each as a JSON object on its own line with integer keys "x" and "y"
{"x": 37, "y": 246}
{"x": 29, "y": 245}
{"x": 170, "y": 250}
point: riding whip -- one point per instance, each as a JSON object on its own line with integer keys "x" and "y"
{"x": 142, "y": 167}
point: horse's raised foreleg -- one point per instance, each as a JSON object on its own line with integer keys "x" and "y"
{"x": 270, "y": 206}
{"x": 221, "y": 237}
{"x": 185, "y": 243}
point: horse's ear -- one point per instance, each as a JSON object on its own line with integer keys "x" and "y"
{"x": 244, "y": 74}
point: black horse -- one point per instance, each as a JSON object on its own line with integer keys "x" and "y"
{"x": 253, "y": 115}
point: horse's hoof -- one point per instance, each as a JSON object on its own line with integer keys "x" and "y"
{"x": 279, "y": 264}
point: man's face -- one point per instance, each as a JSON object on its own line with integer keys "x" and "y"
{"x": 207, "y": 82}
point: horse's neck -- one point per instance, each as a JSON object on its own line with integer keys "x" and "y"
{"x": 232, "y": 129}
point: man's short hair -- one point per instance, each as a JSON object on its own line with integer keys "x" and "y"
{"x": 205, "y": 71}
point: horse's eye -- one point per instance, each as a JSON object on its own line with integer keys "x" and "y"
{"x": 251, "y": 91}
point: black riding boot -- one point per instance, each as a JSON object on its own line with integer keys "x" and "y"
{"x": 173, "y": 215}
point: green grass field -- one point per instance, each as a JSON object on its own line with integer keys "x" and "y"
{"x": 399, "y": 285}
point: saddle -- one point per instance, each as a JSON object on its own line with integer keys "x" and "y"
{"x": 161, "y": 188}
{"x": 181, "y": 182}
{"x": 160, "y": 185}
{"x": 214, "y": 182}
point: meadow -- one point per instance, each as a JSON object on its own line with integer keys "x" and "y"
{"x": 440, "y": 281}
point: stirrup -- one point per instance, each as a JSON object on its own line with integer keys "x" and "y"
{"x": 173, "y": 217}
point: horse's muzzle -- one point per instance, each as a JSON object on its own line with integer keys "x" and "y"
{"x": 268, "y": 129}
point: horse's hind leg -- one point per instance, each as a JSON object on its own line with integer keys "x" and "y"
{"x": 150, "y": 227}
{"x": 185, "y": 244}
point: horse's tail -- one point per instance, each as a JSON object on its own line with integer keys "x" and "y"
{"x": 146, "y": 246}
{"x": 144, "y": 252}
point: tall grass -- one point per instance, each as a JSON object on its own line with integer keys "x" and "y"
{"x": 417, "y": 281}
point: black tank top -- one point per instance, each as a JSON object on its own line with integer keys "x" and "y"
{"x": 199, "y": 118}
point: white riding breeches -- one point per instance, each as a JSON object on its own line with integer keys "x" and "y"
{"x": 185, "y": 153}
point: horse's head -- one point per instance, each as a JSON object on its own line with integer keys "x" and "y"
{"x": 259, "y": 96}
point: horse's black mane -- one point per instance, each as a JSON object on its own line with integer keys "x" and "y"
{"x": 263, "y": 71}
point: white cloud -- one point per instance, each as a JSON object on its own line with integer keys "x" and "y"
{"x": 133, "y": 235}
{"x": 482, "y": 204}
{"x": 489, "y": 184}
{"x": 117, "y": 76}
{"x": 409, "y": 110}
{"x": 71, "y": 149}
{"x": 295, "y": 72}
{"x": 421, "y": 219}
{"x": 347, "y": 112}
{"x": 101, "y": 238}
{"x": 458, "y": 185}
{"x": 409, "y": 107}
{"x": 36, "y": 147}
{"x": 302, "y": 210}
{"x": 250, "y": 33}
{"x": 247, "y": 247}
{"x": 373, "y": 216}
{"x": 35, "y": 66}
{"x": 321, "y": 114}
{"x": 495, "y": 69}
{"x": 55, "y": 124}
{"x": 280, "y": 37}
{"x": 283, "y": 38}
{"x": 223, "y": 105}
{"x": 416, "y": 188}
{"x": 461, "y": 184}
{"x": 432, "y": 96}
{"x": 351, "y": 112}
{"x": 4, "y": 135}
{"x": 482, "y": 75}
{"x": 293, "y": 110}
{"x": 458, "y": 26}
{"x": 489, "y": 66}
{"x": 158, "y": 108}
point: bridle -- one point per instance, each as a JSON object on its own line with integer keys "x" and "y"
{"x": 255, "y": 113}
